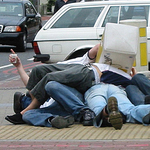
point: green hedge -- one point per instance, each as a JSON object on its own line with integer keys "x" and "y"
{"x": 50, "y": 4}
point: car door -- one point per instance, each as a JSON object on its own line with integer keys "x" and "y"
{"x": 110, "y": 15}
{"x": 33, "y": 21}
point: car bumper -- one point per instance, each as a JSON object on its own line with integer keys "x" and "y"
{"x": 10, "y": 38}
{"x": 41, "y": 57}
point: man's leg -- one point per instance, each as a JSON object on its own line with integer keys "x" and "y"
{"x": 38, "y": 72}
{"x": 48, "y": 116}
{"x": 135, "y": 95}
{"x": 133, "y": 113}
{"x": 96, "y": 98}
{"x": 77, "y": 76}
{"x": 141, "y": 114}
{"x": 142, "y": 82}
{"x": 71, "y": 100}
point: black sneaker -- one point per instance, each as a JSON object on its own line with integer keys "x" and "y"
{"x": 87, "y": 117}
{"x": 146, "y": 119}
{"x": 62, "y": 122}
{"x": 15, "y": 119}
{"x": 147, "y": 99}
{"x": 17, "y": 102}
{"x": 115, "y": 117}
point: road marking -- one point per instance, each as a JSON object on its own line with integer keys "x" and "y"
{"x": 2, "y": 67}
{"x": 30, "y": 59}
{"x": 6, "y": 66}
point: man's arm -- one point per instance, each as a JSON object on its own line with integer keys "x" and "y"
{"x": 21, "y": 71}
{"x": 87, "y": 58}
{"x": 133, "y": 72}
{"x": 93, "y": 52}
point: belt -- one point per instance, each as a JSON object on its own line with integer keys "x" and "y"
{"x": 97, "y": 69}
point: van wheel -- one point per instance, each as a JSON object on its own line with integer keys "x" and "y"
{"x": 76, "y": 54}
{"x": 22, "y": 44}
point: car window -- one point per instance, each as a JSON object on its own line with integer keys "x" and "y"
{"x": 29, "y": 9}
{"x": 126, "y": 12}
{"x": 78, "y": 17}
{"x": 134, "y": 12}
{"x": 112, "y": 15}
{"x": 11, "y": 9}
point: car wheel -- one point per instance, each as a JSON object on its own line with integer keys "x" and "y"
{"x": 22, "y": 45}
{"x": 76, "y": 54}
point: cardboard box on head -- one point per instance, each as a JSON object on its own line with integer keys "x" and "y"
{"x": 119, "y": 46}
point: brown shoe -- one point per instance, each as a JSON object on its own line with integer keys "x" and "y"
{"x": 115, "y": 117}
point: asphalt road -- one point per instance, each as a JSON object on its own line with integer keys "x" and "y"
{"x": 7, "y": 70}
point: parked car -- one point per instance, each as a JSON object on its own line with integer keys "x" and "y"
{"x": 77, "y": 27}
{"x": 19, "y": 23}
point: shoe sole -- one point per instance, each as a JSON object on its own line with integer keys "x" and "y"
{"x": 146, "y": 119}
{"x": 17, "y": 104}
{"x": 115, "y": 117}
{"x": 62, "y": 122}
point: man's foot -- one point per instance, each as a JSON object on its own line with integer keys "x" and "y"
{"x": 62, "y": 122}
{"x": 147, "y": 99}
{"x": 146, "y": 119}
{"x": 15, "y": 119}
{"x": 17, "y": 102}
{"x": 87, "y": 117}
{"x": 115, "y": 117}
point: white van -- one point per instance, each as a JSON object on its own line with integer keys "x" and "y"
{"x": 77, "y": 27}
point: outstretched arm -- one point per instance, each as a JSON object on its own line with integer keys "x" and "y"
{"x": 19, "y": 66}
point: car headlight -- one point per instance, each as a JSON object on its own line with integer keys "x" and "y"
{"x": 12, "y": 29}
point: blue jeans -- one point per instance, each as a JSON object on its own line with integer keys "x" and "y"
{"x": 40, "y": 116}
{"x": 67, "y": 97}
{"x": 27, "y": 100}
{"x": 97, "y": 96}
{"x": 139, "y": 89}
{"x": 68, "y": 102}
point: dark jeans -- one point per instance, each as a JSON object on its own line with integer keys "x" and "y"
{"x": 77, "y": 76}
{"x": 139, "y": 89}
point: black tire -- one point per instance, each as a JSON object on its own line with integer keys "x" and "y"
{"x": 76, "y": 54}
{"x": 22, "y": 44}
